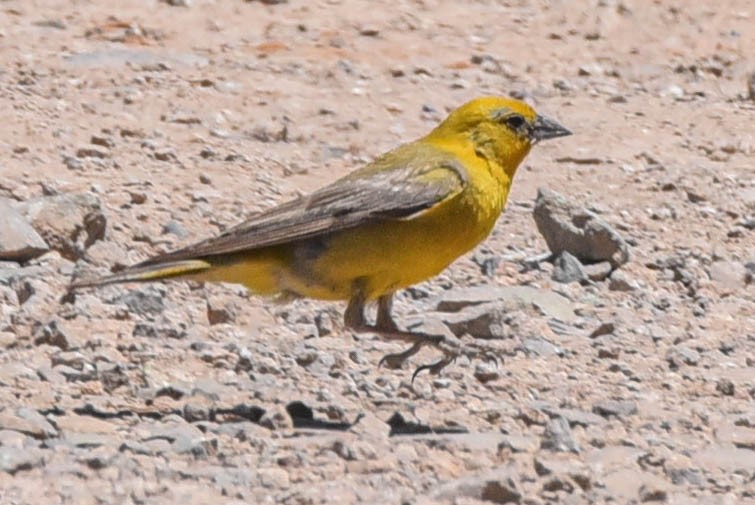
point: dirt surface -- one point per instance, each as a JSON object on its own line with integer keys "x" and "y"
{"x": 134, "y": 129}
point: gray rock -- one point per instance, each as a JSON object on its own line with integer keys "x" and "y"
{"x": 29, "y": 422}
{"x": 495, "y": 486}
{"x": 220, "y": 311}
{"x": 517, "y": 443}
{"x": 324, "y": 323}
{"x": 19, "y": 241}
{"x": 10, "y": 372}
{"x": 163, "y": 328}
{"x": 538, "y": 346}
{"x": 57, "y": 333}
{"x": 652, "y": 493}
{"x": 576, "y": 417}
{"x": 89, "y": 440}
{"x": 681, "y": 476}
{"x": 14, "y": 460}
{"x": 112, "y": 375}
{"x": 605, "y": 328}
{"x": 69, "y": 222}
{"x": 486, "y": 321}
{"x": 277, "y": 418}
{"x": 568, "y": 269}
{"x": 566, "y": 226}
{"x": 549, "y": 303}
{"x": 99, "y": 457}
{"x": 86, "y": 373}
{"x": 621, "y": 281}
{"x": 11, "y": 438}
{"x": 732, "y": 459}
{"x": 725, "y": 387}
{"x": 72, "y": 359}
{"x": 144, "y": 301}
{"x": 486, "y": 372}
{"x": 729, "y": 275}
{"x": 558, "y": 437}
{"x": 617, "y": 408}
{"x": 150, "y": 448}
{"x": 562, "y": 473}
{"x": 597, "y": 272}
{"x": 681, "y": 355}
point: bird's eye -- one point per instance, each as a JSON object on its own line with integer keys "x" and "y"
{"x": 515, "y": 121}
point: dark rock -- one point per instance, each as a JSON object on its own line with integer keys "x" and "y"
{"x": 725, "y": 387}
{"x": 604, "y": 329}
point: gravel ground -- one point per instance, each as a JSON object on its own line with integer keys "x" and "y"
{"x": 626, "y": 369}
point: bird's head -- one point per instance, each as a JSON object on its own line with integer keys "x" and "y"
{"x": 500, "y": 129}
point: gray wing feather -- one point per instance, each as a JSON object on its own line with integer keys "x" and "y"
{"x": 364, "y": 196}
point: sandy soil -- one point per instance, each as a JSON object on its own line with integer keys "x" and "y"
{"x": 175, "y": 121}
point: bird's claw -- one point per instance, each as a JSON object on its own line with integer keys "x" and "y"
{"x": 434, "y": 368}
{"x": 395, "y": 360}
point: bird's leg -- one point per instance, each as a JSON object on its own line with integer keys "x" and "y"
{"x": 384, "y": 318}
{"x": 354, "y": 316}
{"x": 386, "y": 327}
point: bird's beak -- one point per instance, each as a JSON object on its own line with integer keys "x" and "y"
{"x": 545, "y": 128}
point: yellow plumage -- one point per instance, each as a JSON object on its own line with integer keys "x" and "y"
{"x": 395, "y": 222}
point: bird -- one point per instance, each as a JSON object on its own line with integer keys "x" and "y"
{"x": 397, "y": 221}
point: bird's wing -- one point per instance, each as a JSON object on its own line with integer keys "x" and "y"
{"x": 370, "y": 194}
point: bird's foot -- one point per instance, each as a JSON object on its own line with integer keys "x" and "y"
{"x": 449, "y": 349}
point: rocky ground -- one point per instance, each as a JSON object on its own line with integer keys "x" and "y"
{"x": 626, "y": 366}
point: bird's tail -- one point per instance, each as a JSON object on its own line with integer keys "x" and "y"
{"x": 143, "y": 273}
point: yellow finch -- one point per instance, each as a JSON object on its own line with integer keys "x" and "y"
{"x": 395, "y": 222}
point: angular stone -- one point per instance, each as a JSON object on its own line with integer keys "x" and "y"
{"x": 549, "y": 303}
{"x": 144, "y": 301}
{"x": 724, "y": 458}
{"x": 19, "y": 241}
{"x": 681, "y": 355}
{"x": 518, "y": 443}
{"x": 494, "y": 486}
{"x": 730, "y": 275}
{"x": 598, "y": 271}
{"x": 540, "y": 347}
{"x": 73, "y": 423}
{"x": 617, "y": 408}
{"x": 14, "y": 460}
{"x": 558, "y": 437}
{"x": 486, "y": 321}
{"x": 69, "y": 223}
{"x": 277, "y": 418}
{"x": 621, "y": 281}
{"x": 568, "y": 269}
{"x": 566, "y": 226}
{"x": 27, "y": 421}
